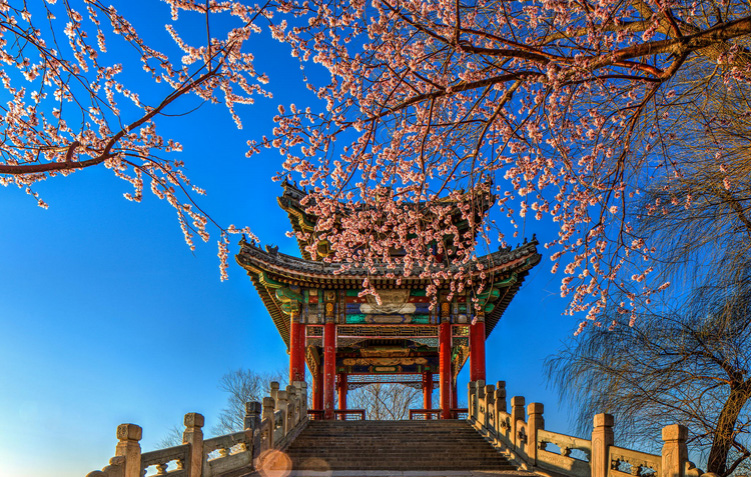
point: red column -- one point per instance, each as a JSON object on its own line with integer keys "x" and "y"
{"x": 296, "y": 349}
{"x": 427, "y": 392}
{"x": 329, "y": 368}
{"x": 342, "y": 388}
{"x": 477, "y": 349}
{"x": 318, "y": 389}
{"x": 444, "y": 359}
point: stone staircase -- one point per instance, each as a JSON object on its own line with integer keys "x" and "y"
{"x": 435, "y": 445}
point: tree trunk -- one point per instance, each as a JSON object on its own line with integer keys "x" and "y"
{"x": 723, "y": 435}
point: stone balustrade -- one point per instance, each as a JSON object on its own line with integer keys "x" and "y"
{"x": 268, "y": 426}
{"x": 522, "y": 437}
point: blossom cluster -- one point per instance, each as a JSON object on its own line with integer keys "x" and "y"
{"x": 559, "y": 109}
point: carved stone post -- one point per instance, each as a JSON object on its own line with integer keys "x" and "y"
{"x": 193, "y": 435}
{"x": 274, "y": 390}
{"x": 252, "y": 415}
{"x": 252, "y": 426}
{"x": 293, "y": 408}
{"x": 268, "y": 424}
{"x": 282, "y": 403}
{"x": 674, "y": 451}
{"x": 302, "y": 388}
{"x": 535, "y": 422}
{"x": 602, "y": 439}
{"x": 500, "y": 396}
{"x": 517, "y": 414}
{"x": 489, "y": 422}
{"x": 128, "y": 436}
{"x": 480, "y": 397}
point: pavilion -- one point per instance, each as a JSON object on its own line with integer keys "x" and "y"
{"x": 348, "y": 340}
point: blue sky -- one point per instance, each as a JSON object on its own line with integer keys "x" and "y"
{"x": 107, "y": 317}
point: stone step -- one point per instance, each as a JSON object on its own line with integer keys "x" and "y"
{"x": 406, "y": 458}
{"x": 457, "y": 435}
{"x": 417, "y": 467}
{"x": 400, "y": 460}
{"x": 384, "y": 440}
{"x": 389, "y": 439}
{"x": 433, "y": 445}
{"x": 393, "y": 455}
{"x": 312, "y": 445}
{"x": 386, "y": 465}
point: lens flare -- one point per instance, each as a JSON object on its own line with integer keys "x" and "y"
{"x": 274, "y": 463}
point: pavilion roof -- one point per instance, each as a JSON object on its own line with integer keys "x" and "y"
{"x": 270, "y": 268}
{"x": 304, "y": 222}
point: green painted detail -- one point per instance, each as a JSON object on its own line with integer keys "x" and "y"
{"x": 268, "y": 282}
{"x": 489, "y": 307}
{"x": 320, "y": 296}
{"x": 306, "y": 295}
{"x": 290, "y": 306}
{"x": 462, "y": 307}
{"x": 420, "y": 319}
{"x": 353, "y": 292}
{"x": 355, "y": 319}
{"x": 504, "y": 283}
{"x": 287, "y": 295}
{"x": 417, "y": 292}
{"x": 491, "y": 294}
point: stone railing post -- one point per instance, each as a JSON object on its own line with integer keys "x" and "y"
{"x": 302, "y": 388}
{"x": 602, "y": 439}
{"x": 500, "y": 396}
{"x": 517, "y": 414}
{"x": 128, "y": 436}
{"x": 293, "y": 408}
{"x": 489, "y": 421}
{"x": 252, "y": 426}
{"x": 268, "y": 424}
{"x": 674, "y": 451}
{"x": 282, "y": 403}
{"x": 535, "y": 422}
{"x": 274, "y": 390}
{"x": 481, "y": 401}
{"x": 252, "y": 415}
{"x": 500, "y": 406}
{"x": 193, "y": 435}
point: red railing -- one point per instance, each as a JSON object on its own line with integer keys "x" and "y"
{"x": 423, "y": 414}
{"x": 315, "y": 414}
{"x": 350, "y": 414}
{"x": 341, "y": 415}
{"x": 459, "y": 413}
